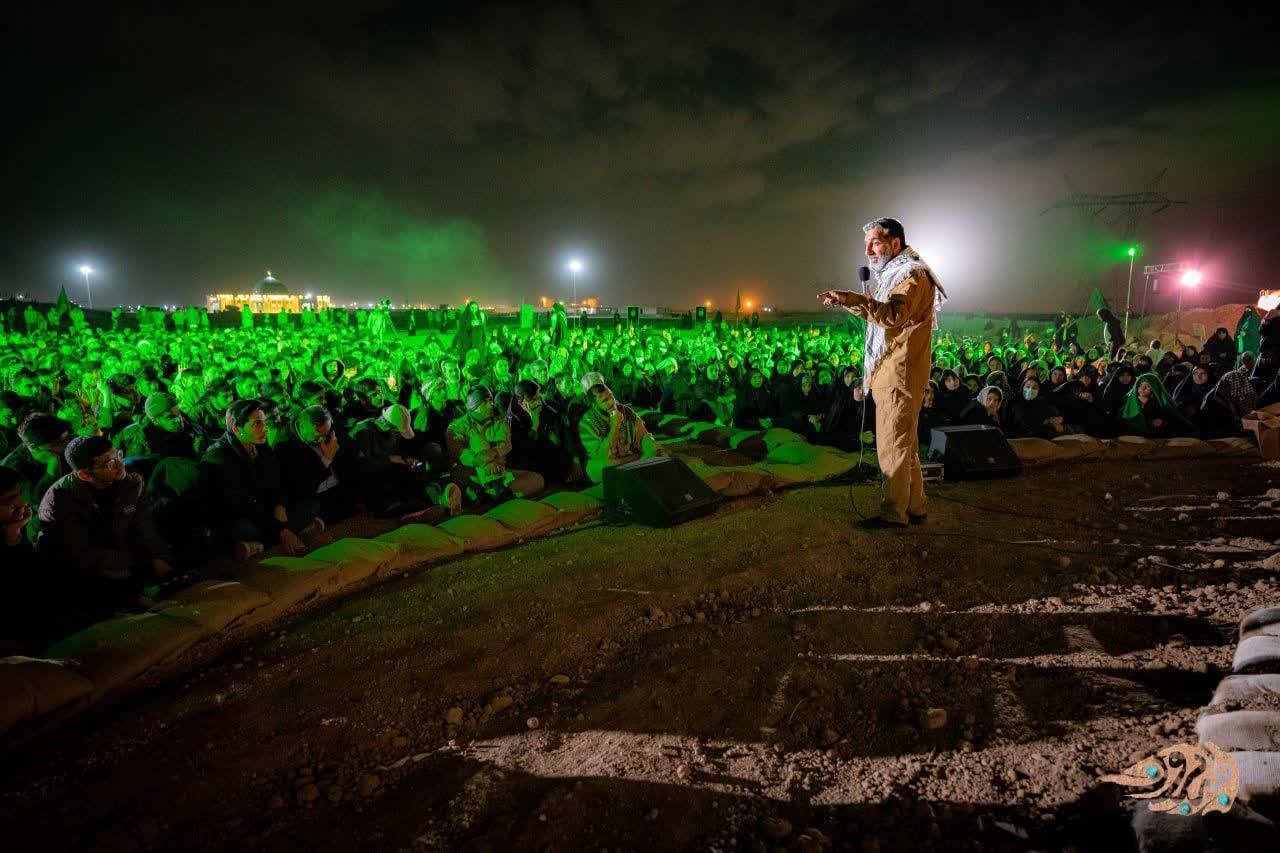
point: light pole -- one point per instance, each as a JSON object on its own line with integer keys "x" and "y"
{"x": 86, "y": 271}
{"x": 1129, "y": 297}
{"x": 1190, "y": 278}
{"x": 575, "y": 267}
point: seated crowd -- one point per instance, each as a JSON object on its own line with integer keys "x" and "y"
{"x": 127, "y": 453}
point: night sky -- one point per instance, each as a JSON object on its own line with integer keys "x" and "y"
{"x": 686, "y": 150}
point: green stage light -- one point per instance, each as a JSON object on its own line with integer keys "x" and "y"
{"x": 1133, "y": 250}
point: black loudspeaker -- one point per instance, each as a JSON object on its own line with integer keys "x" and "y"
{"x": 700, "y": 314}
{"x": 656, "y": 492}
{"x": 973, "y": 452}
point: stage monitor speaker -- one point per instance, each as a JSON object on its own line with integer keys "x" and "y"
{"x": 656, "y": 492}
{"x": 700, "y": 314}
{"x": 973, "y": 452}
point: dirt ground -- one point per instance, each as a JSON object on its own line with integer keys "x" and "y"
{"x": 767, "y": 677}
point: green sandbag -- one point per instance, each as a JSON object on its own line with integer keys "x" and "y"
{"x": 525, "y": 517}
{"x": 117, "y": 650}
{"x": 213, "y": 605}
{"x": 671, "y": 424}
{"x": 292, "y": 580}
{"x": 574, "y": 506}
{"x": 478, "y": 533}
{"x": 355, "y": 553}
{"x": 420, "y": 543}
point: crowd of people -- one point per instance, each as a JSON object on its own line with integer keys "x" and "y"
{"x": 129, "y": 452}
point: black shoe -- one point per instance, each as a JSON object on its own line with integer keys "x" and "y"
{"x": 917, "y": 519}
{"x": 879, "y": 523}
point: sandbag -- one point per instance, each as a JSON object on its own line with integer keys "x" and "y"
{"x": 750, "y": 442}
{"x": 1233, "y": 446}
{"x": 1128, "y": 447}
{"x": 1259, "y": 776}
{"x": 114, "y": 652}
{"x": 477, "y": 533}
{"x": 33, "y": 687}
{"x": 1179, "y": 448}
{"x": 357, "y": 556}
{"x": 289, "y": 581}
{"x": 420, "y": 543}
{"x": 1078, "y": 446}
{"x": 525, "y": 517}
{"x": 1036, "y": 451}
{"x": 736, "y": 482}
{"x": 777, "y": 436}
{"x": 1258, "y": 619}
{"x": 690, "y": 428}
{"x": 714, "y": 434}
{"x": 1169, "y": 832}
{"x": 788, "y": 474}
{"x": 1257, "y": 653}
{"x": 573, "y": 506}
{"x": 1257, "y": 730}
{"x": 213, "y": 605}
{"x": 671, "y": 424}
{"x": 1246, "y": 693}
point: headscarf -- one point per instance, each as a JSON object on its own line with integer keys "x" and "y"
{"x": 1235, "y": 391}
{"x": 158, "y": 404}
{"x": 1133, "y": 407}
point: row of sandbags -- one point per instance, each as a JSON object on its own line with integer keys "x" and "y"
{"x": 1243, "y": 720}
{"x": 1073, "y": 448}
{"x": 82, "y": 668}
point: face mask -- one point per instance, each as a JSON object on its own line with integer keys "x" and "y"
{"x": 1029, "y": 393}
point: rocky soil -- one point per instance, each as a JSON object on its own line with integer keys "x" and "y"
{"x": 766, "y": 678}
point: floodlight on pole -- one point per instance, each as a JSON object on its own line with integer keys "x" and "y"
{"x": 1128, "y": 299}
{"x": 575, "y": 267}
{"x": 86, "y": 271}
{"x": 1190, "y": 278}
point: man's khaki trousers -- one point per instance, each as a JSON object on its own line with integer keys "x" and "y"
{"x": 897, "y": 451}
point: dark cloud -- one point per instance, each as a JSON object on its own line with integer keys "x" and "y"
{"x": 393, "y": 148}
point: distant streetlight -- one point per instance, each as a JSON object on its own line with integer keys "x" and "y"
{"x": 86, "y": 271}
{"x": 1133, "y": 250}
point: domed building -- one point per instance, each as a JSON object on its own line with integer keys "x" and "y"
{"x": 269, "y": 296}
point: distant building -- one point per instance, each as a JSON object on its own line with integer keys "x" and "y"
{"x": 269, "y": 296}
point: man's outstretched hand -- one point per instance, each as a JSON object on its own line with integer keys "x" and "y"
{"x": 834, "y": 297}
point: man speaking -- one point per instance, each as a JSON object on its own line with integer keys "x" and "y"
{"x": 900, "y": 320}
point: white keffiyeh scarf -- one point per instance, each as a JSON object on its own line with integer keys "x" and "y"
{"x": 902, "y": 265}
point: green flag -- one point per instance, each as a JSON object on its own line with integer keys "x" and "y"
{"x": 64, "y": 304}
{"x": 737, "y": 306}
{"x": 1096, "y": 301}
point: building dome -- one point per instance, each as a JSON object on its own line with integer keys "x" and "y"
{"x": 271, "y": 285}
